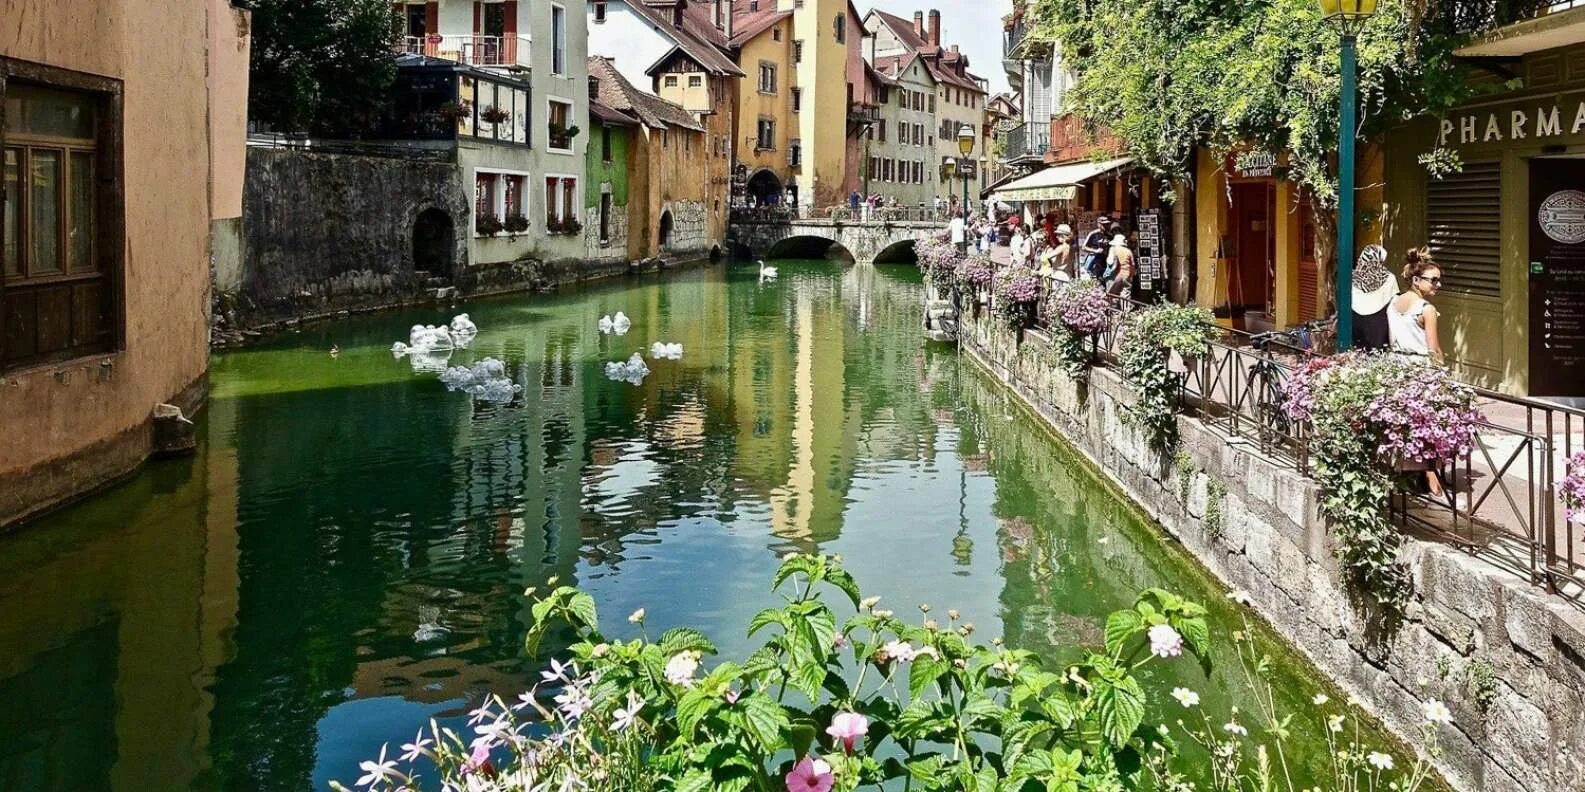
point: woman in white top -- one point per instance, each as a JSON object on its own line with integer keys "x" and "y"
{"x": 1412, "y": 317}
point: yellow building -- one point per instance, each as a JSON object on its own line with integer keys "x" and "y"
{"x": 822, "y": 31}
{"x": 769, "y": 102}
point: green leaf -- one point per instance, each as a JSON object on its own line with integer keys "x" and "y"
{"x": 922, "y": 672}
{"x": 697, "y": 780}
{"x": 1122, "y": 709}
{"x": 766, "y": 617}
{"x": 693, "y": 708}
{"x": 581, "y": 606}
{"x": 843, "y": 580}
{"x": 801, "y": 735}
{"x": 764, "y": 720}
{"x": 1120, "y": 626}
{"x": 806, "y": 677}
{"x": 684, "y": 639}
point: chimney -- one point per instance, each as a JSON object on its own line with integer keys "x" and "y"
{"x": 676, "y": 14}
{"x": 919, "y": 24}
{"x": 935, "y": 28}
{"x": 723, "y": 17}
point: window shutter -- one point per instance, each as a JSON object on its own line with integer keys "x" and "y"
{"x": 511, "y": 17}
{"x": 478, "y": 17}
{"x": 432, "y": 18}
{"x": 1463, "y": 215}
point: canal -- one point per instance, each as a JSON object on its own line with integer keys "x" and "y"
{"x": 345, "y": 556}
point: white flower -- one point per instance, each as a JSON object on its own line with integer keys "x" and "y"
{"x": 1320, "y": 698}
{"x": 868, "y": 603}
{"x": 1335, "y": 723}
{"x": 1165, "y": 641}
{"x": 1234, "y": 727}
{"x": 1239, "y": 596}
{"x": 1186, "y": 697}
{"x": 573, "y": 703}
{"x": 1436, "y": 712}
{"x": 374, "y": 772}
{"x": 557, "y": 671}
{"x": 926, "y": 651}
{"x": 1379, "y": 760}
{"x": 681, "y": 667}
{"x": 624, "y": 717}
{"x": 638, "y": 616}
{"x": 418, "y": 747}
{"x": 900, "y": 651}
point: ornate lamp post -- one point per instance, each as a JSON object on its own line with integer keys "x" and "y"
{"x": 1349, "y": 16}
{"x": 965, "y": 145}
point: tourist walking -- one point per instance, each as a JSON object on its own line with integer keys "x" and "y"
{"x": 1119, "y": 267}
{"x": 956, "y": 230}
{"x": 1019, "y": 246}
{"x": 1093, "y": 254}
{"x": 853, "y": 203}
{"x": 1373, "y": 290}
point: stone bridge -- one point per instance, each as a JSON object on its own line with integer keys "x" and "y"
{"x": 878, "y": 240}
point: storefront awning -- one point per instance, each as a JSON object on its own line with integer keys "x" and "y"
{"x": 1547, "y": 31}
{"x": 1058, "y": 183}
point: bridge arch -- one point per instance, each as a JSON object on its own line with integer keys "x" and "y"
{"x": 899, "y": 252}
{"x": 807, "y": 246}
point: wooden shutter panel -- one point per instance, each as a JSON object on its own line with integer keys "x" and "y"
{"x": 478, "y": 17}
{"x": 510, "y": 12}
{"x": 432, "y": 18}
{"x": 1463, "y": 217}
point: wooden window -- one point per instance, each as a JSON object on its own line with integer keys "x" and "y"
{"x": 558, "y": 40}
{"x": 569, "y": 199}
{"x": 558, "y": 124}
{"x": 695, "y": 81}
{"x": 797, "y": 100}
{"x": 765, "y": 135}
{"x": 552, "y": 202}
{"x": 798, "y": 51}
{"x": 671, "y": 81}
{"x": 605, "y": 144}
{"x": 514, "y": 196}
{"x": 767, "y": 77}
{"x": 59, "y": 215}
{"x": 605, "y": 217}
{"x": 840, "y": 28}
{"x": 775, "y": 33}
{"x": 561, "y": 195}
{"x": 484, "y": 198}
{"x": 881, "y": 131}
{"x": 599, "y": 11}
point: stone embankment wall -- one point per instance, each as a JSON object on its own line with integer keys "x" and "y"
{"x": 1506, "y": 657}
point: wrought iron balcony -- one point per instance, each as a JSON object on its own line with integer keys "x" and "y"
{"x": 1027, "y": 142}
{"x": 860, "y": 113}
{"x": 473, "y": 50}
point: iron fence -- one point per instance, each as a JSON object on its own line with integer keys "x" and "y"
{"x": 1501, "y": 501}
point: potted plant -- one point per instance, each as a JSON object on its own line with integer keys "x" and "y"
{"x": 494, "y": 115}
{"x": 488, "y": 225}
{"x": 553, "y": 225}
{"x": 516, "y": 224}
{"x": 571, "y": 226}
{"x": 454, "y": 112}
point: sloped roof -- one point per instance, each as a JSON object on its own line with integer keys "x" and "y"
{"x": 903, "y": 29}
{"x": 650, "y": 110}
{"x": 748, "y": 24}
{"x": 610, "y": 116}
{"x": 696, "y": 39}
{"x": 894, "y": 65}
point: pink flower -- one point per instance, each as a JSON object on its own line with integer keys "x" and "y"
{"x": 810, "y": 775}
{"x": 848, "y": 727}
{"x": 1165, "y": 641}
{"x": 479, "y": 761}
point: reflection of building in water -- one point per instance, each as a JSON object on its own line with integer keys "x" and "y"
{"x": 109, "y": 630}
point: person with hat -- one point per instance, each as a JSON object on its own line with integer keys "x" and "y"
{"x": 1093, "y": 254}
{"x": 1119, "y": 275}
{"x": 1373, "y": 288}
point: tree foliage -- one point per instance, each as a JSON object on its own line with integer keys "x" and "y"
{"x": 321, "y": 66}
{"x": 1168, "y": 76}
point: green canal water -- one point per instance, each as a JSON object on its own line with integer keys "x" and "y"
{"x": 344, "y": 557}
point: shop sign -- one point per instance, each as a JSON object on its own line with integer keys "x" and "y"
{"x": 1256, "y": 164}
{"x": 1540, "y": 120}
{"x": 1557, "y": 278}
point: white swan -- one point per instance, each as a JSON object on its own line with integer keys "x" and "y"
{"x": 621, "y": 324}
{"x": 631, "y": 371}
{"x": 606, "y": 324}
{"x": 766, "y": 273}
{"x": 661, "y": 350}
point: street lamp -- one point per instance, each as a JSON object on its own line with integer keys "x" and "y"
{"x": 1349, "y": 16}
{"x": 965, "y": 145}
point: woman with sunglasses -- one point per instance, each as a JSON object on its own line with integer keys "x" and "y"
{"x": 1412, "y": 317}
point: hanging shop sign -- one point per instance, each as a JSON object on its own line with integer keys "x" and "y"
{"x": 1557, "y": 277}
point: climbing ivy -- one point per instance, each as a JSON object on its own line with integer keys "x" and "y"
{"x": 1149, "y": 338}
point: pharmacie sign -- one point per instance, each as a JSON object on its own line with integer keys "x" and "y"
{"x": 1541, "y": 120}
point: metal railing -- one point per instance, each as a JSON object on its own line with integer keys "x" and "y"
{"x": 474, "y": 50}
{"x": 1027, "y": 140}
{"x": 1500, "y": 502}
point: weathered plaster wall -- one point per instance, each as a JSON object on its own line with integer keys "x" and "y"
{"x": 77, "y": 425}
{"x": 1468, "y": 616}
{"x": 330, "y": 232}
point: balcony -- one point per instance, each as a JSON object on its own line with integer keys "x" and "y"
{"x": 861, "y": 113}
{"x": 1027, "y": 142}
{"x": 473, "y": 50}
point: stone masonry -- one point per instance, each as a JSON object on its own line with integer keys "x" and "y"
{"x": 864, "y": 240}
{"x": 690, "y": 228}
{"x": 1505, "y": 656}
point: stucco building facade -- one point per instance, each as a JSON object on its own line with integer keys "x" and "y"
{"x": 126, "y": 121}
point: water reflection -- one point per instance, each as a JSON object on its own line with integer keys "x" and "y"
{"x": 346, "y": 556}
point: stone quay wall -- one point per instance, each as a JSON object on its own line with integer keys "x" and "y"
{"x": 1505, "y": 656}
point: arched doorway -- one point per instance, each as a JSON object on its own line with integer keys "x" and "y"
{"x": 665, "y": 229}
{"x": 765, "y": 189}
{"x": 434, "y": 242}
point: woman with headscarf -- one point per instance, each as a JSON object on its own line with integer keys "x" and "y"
{"x": 1373, "y": 290}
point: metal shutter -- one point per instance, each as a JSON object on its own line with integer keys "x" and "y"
{"x": 1463, "y": 216}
